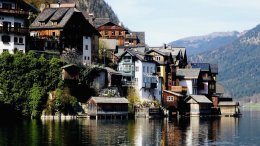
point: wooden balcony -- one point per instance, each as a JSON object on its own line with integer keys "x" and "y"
{"x": 14, "y": 30}
{"x": 178, "y": 89}
{"x": 14, "y": 12}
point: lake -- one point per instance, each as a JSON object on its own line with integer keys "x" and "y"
{"x": 179, "y": 131}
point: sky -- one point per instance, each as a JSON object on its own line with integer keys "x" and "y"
{"x": 164, "y": 21}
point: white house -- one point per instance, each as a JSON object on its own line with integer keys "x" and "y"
{"x": 87, "y": 50}
{"x": 13, "y": 29}
{"x": 189, "y": 78}
{"x": 139, "y": 70}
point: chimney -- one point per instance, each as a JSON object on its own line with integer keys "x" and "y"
{"x": 164, "y": 46}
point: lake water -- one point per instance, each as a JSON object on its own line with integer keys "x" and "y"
{"x": 183, "y": 131}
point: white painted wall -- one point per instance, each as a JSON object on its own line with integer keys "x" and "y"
{"x": 11, "y": 45}
{"x": 87, "y": 50}
{"x": 144, "y": 75}
{"x": 188, "y": 84}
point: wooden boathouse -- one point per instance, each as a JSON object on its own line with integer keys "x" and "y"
{"x": 108, "y": 107}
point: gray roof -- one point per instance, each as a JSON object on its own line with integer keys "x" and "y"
{"x": 111, "y": 71}
{"x": 228, "y": 103}
{"x": 173, "y": 93}
{"x": 50, "y": 15}
{"x": 199, "y": 98}
{"x": 188, "y": 73}
{"x": 109, "y": 99}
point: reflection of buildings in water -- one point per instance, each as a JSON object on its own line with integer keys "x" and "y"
{"x": 202, "y": 130}
{"x": 145, "y": 132}
{"x": 228, "y": 126}
{"x": 173, "y": 131}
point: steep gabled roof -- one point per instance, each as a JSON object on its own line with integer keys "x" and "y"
{"x": 48, "y": 16}
{"x": 173, "y": 93}
{"x": 111, "y": 25}
{"x": 188, "y": 73}
{"x": 197, "y": 99}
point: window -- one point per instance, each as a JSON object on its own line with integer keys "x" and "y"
{"x": 147, "y": 69}
{"x": 120, "y": 33}
{"x": 15, "y": 40}
{"x": 17, "y": 25}
{"x": 53, "y": 34}
{"x": 143, "y": 69}
{"x": 113, "y": 32}
{"x": 20, "y": 40}
{"x": 5, "y": 50}
{"x": 136, "y": 68}
{"x": 106, "y": 33}
{"x": 6, "y": 39}
{"x": 86, "y": 37}
{"x": 170, "y": 98}
{"x": 85, "y": 57}
{"x": 86, "y": 47}
{"x": 88, "y": 58}
{"x": 194, "y": 91}
{"x": 6, "y": 25}
{"x": 158, "y": 69}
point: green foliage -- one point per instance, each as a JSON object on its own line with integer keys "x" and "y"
{"x": 37, "y": 100}
{"x": 133, "y": 98}
{"x": 63, "y": 102}
{"x": 21, "y": 75}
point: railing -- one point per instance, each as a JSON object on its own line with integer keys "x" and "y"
{"x": 129, "y": 36}
{"x": 14, "y": 30}
{"x": 178, "y": 89}
{"x": 14, "y": 11}
{"x": 206, "y": 78}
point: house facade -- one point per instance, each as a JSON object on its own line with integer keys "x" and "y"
{"x": 13, "y": 25}
{"x": 113, "y": 31}
{"x": 58, "y": 28}
{"x": 199, "y": 104}
{"x": 139, "y": 70}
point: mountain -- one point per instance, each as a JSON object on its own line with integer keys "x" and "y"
{"x": 199, "y": 44}
{"x": 99, "y": 7}
{"x": 239, "y": 63}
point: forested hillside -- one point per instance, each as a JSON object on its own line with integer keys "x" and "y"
{"x": 239, "y": 64}
{"x": 99, "y": 7}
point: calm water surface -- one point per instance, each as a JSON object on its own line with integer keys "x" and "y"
{"x": 184, "y": 131}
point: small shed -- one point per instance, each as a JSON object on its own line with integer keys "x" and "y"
{"x": 229, "y": 108}
{"x": 114, "y": 77}
{"x": 199, "y": 104}
{"x": 107, "y": 107}
{"x": 70, "y": 72}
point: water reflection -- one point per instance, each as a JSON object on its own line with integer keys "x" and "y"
{"x": 177, "y": 131}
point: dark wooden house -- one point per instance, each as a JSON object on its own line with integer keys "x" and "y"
{"x": 57, "y": 28}
{"x": 172, "y": 101}
{"x": 107, "y": 107}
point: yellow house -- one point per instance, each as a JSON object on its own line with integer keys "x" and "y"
{"x": 163, "y": 60}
